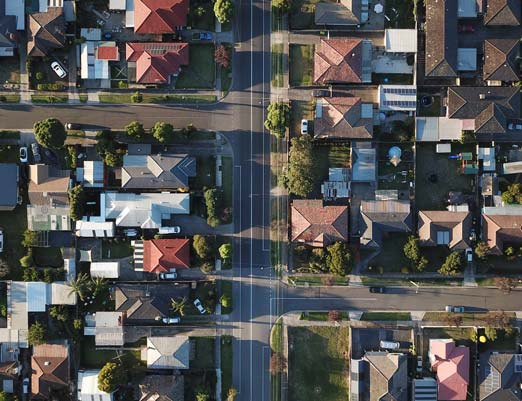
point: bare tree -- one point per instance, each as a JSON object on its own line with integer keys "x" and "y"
{"x": 505, "y": 284}
{"x": 222, "y": 56}
{"x": 334, "y": 316}
{"x": 277, "y": 363}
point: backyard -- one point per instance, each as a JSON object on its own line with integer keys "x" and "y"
{"x": 116, "y": 249}
{"x": 461, "y": 335}
{"x": 302, "y": 14}
{"x": 436, "y": 175}
{"x": 201, "y": 15}
{"x": 201, "y": 71}
{"x": 301, "y": 65}
{"x": 48, "y": 257}
{"x": 318, "y": 375}
{"x": 95, "y": 358}
{"x": 400, "y": 14}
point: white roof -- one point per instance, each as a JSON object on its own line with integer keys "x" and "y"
{"x": 59, "y": 293}
{"x": 400, "y": 40}
{"x": 92, "y": 68}
{"x": 467, "y": 9}
{"x": 91, "y": 33}
{"x": 36, "y": 296}
{"x": 512, "y": 168}
{"x": 467, "y": 59}
{"x": 105, "y": 269}
{"x": 69, "y": 265}
{"x": 443, "y": 148}
{"x": 398, "y": 97}
{"x": 488, "y": 157}
{"x": 435, "y": 129}
{"x": 363, "y": 168}
{"x": 92, "y": 229}
{"x": 129, "y": 14}
{"x": 117, "y": 4}
{"x": 88, "y": 387}
{"x": 17, "y": 306}
{"x": 93, "y": 171}
{"x": 16, "y": 8}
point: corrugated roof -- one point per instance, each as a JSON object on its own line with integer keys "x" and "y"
{"x": 88, "y": 387}
{"x": 400, "y": 40}
{"x": 36, "y": 296}
{"x": 105, "y": 269}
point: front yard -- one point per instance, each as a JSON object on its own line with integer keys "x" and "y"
{"x": 277, "y": 65}
{"x": 321, "y": 374}
{"x": 300, "y": 109}
{"x": 204, "y": 358}
{"x": 301, "y": 65}
{"x": 201, "y": 15}
{"x": 201, "y": 71}
{"x": 158, "y": 98}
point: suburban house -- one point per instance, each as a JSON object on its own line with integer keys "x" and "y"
{"x": 451, "y": 364}
{"x": 159, "y": 16}
{"x": 503, "y": 13}
{"x": 501, "y": 61}
{"x": 105, "y": 269}
{"x": 95, "y": 56}
{"x": 364, "y": 168}
{"x": 88, "y": 387}
{"x": 346, "y": 60}
{"x": 50, "y": 369}
{"x": 441, "y": 227}
{"x": 161, "y": 255}
{"x": 14, "y": 9}
{"x": 161, "y": 171}
{"x": 379, "y": 376}
{"x": 155, "y": 62}
{"x": 318, "y": 225}
{"x": 499, "y": 377}
{"x": 343, "y": 117}
{"x": 106, "y": 327}
{"x": 502, "y": 227}
{"x": 8, "y": 32}
{"x": 162, "y": 387}
{"x": 46, "y": 32}
{"x": 48, "y": 208}
{"x": 146, "y": 303}
{"x": 380, "y": 217}
{"x": 167, "y": 352}
{"x": 92, "y": 174}
{"x": 9, "y": 195}
{"x": 344, "y": 13}
{"x": 397, "y": 98}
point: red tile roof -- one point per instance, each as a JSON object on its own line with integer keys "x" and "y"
{"x": 318, "y": 225}
{"x": 107, "y": 53}
{"x": 339, "y": 60}
{"x": 157, "y": 61}
{"x": 452, "y": 366}
{"x": 160, "y": 16}
{"x": 50, "y": 366}
{"x": 161, "y": 255}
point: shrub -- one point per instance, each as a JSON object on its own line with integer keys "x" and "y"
{"x": 76, "y": 202}
{"x": 110, "y": 377}
{"x": 27, "y": 261}
{"x": 37, "y": 334}
{"x": 137, "y": 97}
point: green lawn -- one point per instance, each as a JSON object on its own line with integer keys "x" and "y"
{"x": 402, "y": 17}
{"x": 206, "y": 173}
{"x": 10, "y": 70}
{"x": 391, "y": 258}
{"x": 7, "y": 134}
{"x": 320, "y": 374}
{"x": 9, "y": 98}
{"x": 204, "y": 358}
{"x": 55, "y": 98}
{"x": 226, "y": 365}
{"x": 226, "y": 288}
{"x": 227, "y": 174}
{"x": 302, "y": 14}
{"x": 301, "y": 65}
{"x": 13, "y": 224}
{"x": 112, "y": 249}
{"x": 83, "y": 98}
{"x": 317, "y": 281}
{"x": 377, "y": 280}
{"x": 300, "y": 109}
{"x": 467, "y": 318}
{"x": 201, "y": 71}
{"x": 392, "y": 316}
{"x": 461, "y": 335}
{"x": 320, "y": 316}
{"x": 120, "y": 98}
{"x": 205, "y": 22}
{"x": 277, "y": 65}
{"x": 330, "y": 156}
{"x": 96, "y": 358}
{"x": 276, "y": 346}
{"x": 432, "y": 111}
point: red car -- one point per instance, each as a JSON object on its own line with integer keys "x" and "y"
{"x": 466, "y": 28}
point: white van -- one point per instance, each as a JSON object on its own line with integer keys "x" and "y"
{"x": 390, "y": 345}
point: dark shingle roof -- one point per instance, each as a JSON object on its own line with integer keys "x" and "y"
{"x": 441, "y": 38}
{"x": 46, "y": 32}
{"x": 490, "y": 107}
{"x": 503, "y": 12}
{"x": 499, "y": 59}
{"x": 501, "y": 366}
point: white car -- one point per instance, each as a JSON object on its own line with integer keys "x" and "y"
{"x": 170, "y": 320}
{"x": 199, "y": 306}
{"x": 304, "y": 126}
{"x": 58, "y": 69}
{"x": 25, "y": 384}
{"x": 469, "y": 255}
{"x": 169, "y": 230}
{"x": 454, "y": 309}
{"x": 1, "y": 240}
{"x": 24, "y": 155}
{"x": 173, "y": 275}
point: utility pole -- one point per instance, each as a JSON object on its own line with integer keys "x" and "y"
{"x": 416, "y": 286}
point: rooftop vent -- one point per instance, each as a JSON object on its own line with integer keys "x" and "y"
{"x": 482, "y": 96}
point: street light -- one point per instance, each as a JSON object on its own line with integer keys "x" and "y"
{"x": 416, "y": 286}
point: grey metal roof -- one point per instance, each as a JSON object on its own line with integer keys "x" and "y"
{"x": 9, "y": 184}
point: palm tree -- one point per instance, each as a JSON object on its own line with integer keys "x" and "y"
{"x": 98, "y": 285}
{"x": 79, "y": 286}
{"x": 179, "y": 306}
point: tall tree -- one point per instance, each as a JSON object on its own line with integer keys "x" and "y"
{"x": 451, "y": 265}
{"x": 301, "y": 166}
{"x": 222, "y": 56}
{"x": 163, "y": 132}
{"x": 76, "y": 202}
{"x": 80, "y": 286}
{"x": 482, "y": 250}
{"x": 278, "y": 118}
{"x": 338, "y": 259}
{"x": 225, "y": 251}
{"x": 203, "y": 246}
{"x": 178, "y": 306}
{"x": 223, "y": 9}
{"x": 135, "y": 130}
{"x": 50, "y": 133}
{"x": 37, "y": 334}
{"x": 110, "y": 377}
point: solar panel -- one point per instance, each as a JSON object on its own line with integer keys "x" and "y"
{"x": 518, "y": 363}
{"x": 400, "y": 91}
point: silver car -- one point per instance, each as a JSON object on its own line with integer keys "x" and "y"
{"x": 58, "y": 69}
{"x": 199, "y": 306}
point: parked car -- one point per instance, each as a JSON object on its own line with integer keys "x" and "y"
{"x": 389, "y": 344}
{"x": 466, "y": 28}
{"x": 24, "y": 156}
{"x": 25, "y": 385}
{"x": 58, "y": 69}
{"x": 472, "y": 235}
{"x": 202, "y": 36}
{"x": 171, "y": 320}
{"x": 304, "y": 126}
{"x": 321, "y": 93}
{"x": 73, "y": 126}
{"x": 35, "y": 149}
{"x": 199, "y": 306}
{"x": 172, "y": 275}
{"x": 469, "y": 255}
{"x": 379, "y": 290}
{"x": 454, "y": 309}
{"x": 130, "y": 232}
{"x": 1, "y": 240}
{"x": 51, "y": 156}
{"x": 169, "y": 230}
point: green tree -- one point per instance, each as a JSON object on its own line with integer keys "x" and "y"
{"x": 78, "y": 324}
{"x": 422, "y": 264}
{"x": 225, "y": 301}
{"x": 283, "y": 5}
{"x": 338, "y": 259}
{"x": 178, "y": 306}
{"x": 137, "y": 97}
{"x": 482, "y": 250}
{"x": 37, "y": 334}
{"x": 203, "y": 246}
{"x": 30, "y": 274}
{"x": 135, "y": 130}
{"x": 468, "y": 137}
{"x": 80, "y": 286}
{"x": 27, "y": 260}
{"x": 59, "y": 312}
{"x": 513, "y": 194}
{"x": 48, "y": 275}
{"x": 222, "y": 56}
{"x": 451, "y": 265}
{"x": 213, "y": 203}
{"x": 232, "y": 394}
{"x": 223, "y": 9}
{"x": 104, "y": 142}
{"x": 30, "y": 239}
{"x": 76, "y": 202}
{"x": 301, "y": 166}
{"x": 491, "y": 333}
{"x": 412, "y": 250}
{"x": 98, "y": 285}
{"x": 114, "y": 159}
{"x": 4, "y": 268}
{"x": 316, "y": 260}
{"x": 163, "y": 132}
{"x": 202, "y": 395}
{"x": 225, "y": 251}
{"x": 110, "y": 377}
{"x": 50, "y": 133}
{"x": 278, "y": 118}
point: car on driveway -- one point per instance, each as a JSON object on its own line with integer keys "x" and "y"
{"x": 202, "y": 36}
{"x": 304, "y": 126}
{"x": 454, "y": 309}
{"x": 25, "y": 385}
{"x": 51, "y": 156}
{"x": 172, "y": 275}
{"x": 378, "y": 290}
{"x": 199, "y": 306}
{"x": 466, "y": 28}
{"x": 1, "y": 240}
{"x": 170, "y": 320}
{"x": 469, "y": 255}
{"x": 73, "y": 126}
{"x": 321, "y": 93}
{"x": 169, "y": 230}
{"x": 35, "y": 149}
{"x": 58, "y": 69}
{"x": 24, "y": 156}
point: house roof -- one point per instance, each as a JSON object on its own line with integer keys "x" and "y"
{"x": 498, "y": 378}
{"x": 339, "y": 60}
{"x": 157, "y": 171}
{"x": 160, "y": 255}
{"x": 499, "y": 60}
{"x": 107, "y": 53}
{"x": 156, "y": 62}
{"x": 383, "y": 216}
{"x": 503, "y": 12}
{"x": 144, "y": 303}
{"x": 490, "y": 107}
{"x": 168, "y": 352}
{"x": 452, "y": 366}
{"x": 88, "y": 387}
{"x": 344, "y": 117}
{"x": 441, "y": 38}
{"x": 457, "y": 224}
{"x": 9, "y": 180}
{"x": 318, "y": 225}
{"x": 162, "y": 388}
{"x": 50, "y": 366}
{"x": 388, "y": 376}
{"x": 500, "y": 229}
{"x": 46, "y": 32}
{"x": 160, "y": 16}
